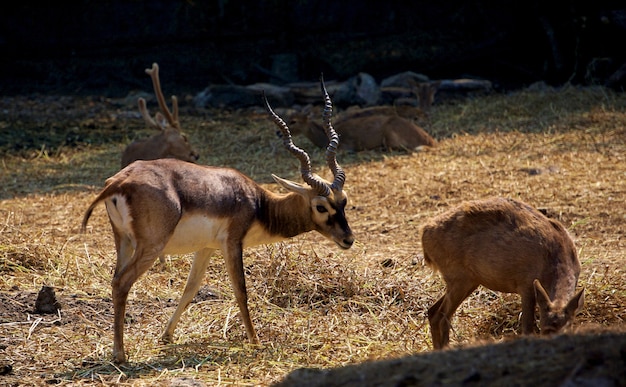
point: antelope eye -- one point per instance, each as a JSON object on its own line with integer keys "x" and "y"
{"x": 321, "y": 209}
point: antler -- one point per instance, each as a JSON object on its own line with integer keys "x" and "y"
{"x": 305, "y": 162}
{"x": 172, "y": 118}
{"x": 146, "y": 116}
{"x": 333, "y": 141}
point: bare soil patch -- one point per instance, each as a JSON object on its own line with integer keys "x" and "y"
{"x": 313, "y": 306}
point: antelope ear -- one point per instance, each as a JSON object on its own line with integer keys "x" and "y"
{"x": 292, "y": 186}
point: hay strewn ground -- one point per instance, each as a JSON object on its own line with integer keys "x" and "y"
{"x": 313, "y": 305}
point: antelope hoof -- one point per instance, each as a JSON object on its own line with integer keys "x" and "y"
{"x": 166, "y": 338}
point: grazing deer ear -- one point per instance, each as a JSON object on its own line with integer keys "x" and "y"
{"x": 540, "y": 294}
{"x": 576, "y": 303}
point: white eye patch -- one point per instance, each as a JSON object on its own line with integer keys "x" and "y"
{"x": 322, "y": 206}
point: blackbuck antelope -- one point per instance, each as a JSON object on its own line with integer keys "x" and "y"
{"x": 507, "y": 246}
{"x": 172, "y": 207}
{"x": 170, "y": 142}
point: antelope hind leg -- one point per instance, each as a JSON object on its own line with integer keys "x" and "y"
{"x": 124, "y": 278}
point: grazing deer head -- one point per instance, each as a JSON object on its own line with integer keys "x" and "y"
{"x": 506, "y": 246}
{"x": 170, "y": 142}
{"x": 371, "y": 128}
{"x": 168, "y": 206}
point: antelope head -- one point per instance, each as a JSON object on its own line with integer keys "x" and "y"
{"x": 327, "y": 199}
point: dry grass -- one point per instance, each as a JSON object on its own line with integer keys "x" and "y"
{"x": 312, "y": 305}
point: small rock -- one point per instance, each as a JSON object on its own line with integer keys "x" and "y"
{"x": 47, "y": 302}
{"x": 5, "y": 369}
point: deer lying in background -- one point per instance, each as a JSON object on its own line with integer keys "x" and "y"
{"x": 170, "y": 142}
{"x": 506, "y": 246}
{"x": 372, "y": 131}
{"x": 172, "y": 207}
{"x": 376, "y": 127}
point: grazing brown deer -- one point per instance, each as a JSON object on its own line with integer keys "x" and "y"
{"x": 375, "y": 127}
{"x": 507, "y": 246}
{"x": 168, "y": 206}
{"x": 170, "y": 142}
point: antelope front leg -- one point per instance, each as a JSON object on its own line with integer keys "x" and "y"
{"x": 196, "y": 274}
{"x": 234, "y": 265}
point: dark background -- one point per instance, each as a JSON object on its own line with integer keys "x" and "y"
{"x": 102, "y": 47}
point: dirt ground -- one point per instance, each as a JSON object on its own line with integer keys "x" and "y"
{"x": 320, "y": 312}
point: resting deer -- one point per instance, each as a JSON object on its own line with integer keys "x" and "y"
{"x": 507, "y": 246}
{"x": 170, "y": 142}
{"x": 378, "y": 131}
{"x": 376, "y": 127}
{"x": 168, "y": 206}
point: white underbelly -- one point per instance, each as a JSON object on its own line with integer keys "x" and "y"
{"x": 197, "y": 232}
{"x": 194, "y": 233}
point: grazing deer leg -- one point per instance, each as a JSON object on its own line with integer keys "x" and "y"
{"x": 124, "y": 278}
{"x": 440, "y": 314}
{"x": 196, "y": 274}
{"x": 434, "y": 318}
{"x": 527, "y": 321}
{"x": 234, "y": 265}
